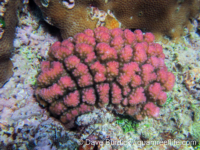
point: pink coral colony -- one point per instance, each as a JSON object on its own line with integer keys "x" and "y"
{"x": 104, "y": 67}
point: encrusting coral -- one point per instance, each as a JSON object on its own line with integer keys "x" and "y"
{"x": 8, "y": 22}
{"x": 100, "y": 68}
{"x": 69, "y": 19}
{"x": 161, "y": 17}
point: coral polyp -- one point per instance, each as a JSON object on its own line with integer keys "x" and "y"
{"x": 101, "y": 68}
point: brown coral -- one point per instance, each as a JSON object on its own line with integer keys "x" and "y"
{"x": 9, "y": 21}
{"x": 69, "y": 21}
{"x": 163, "y": 18}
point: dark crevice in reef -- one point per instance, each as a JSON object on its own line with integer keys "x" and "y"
{"x": 35, "y": 10}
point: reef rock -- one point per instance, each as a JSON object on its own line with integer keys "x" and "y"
{"x": 8, "y": 22}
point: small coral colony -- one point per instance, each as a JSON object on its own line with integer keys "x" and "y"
{"x": 102, "y": 68}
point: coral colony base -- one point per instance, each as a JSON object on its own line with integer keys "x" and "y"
{"x": 104, "y": 68}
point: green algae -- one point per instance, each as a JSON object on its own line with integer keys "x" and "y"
{"x": 31, "y": 57}
{"x": 127, "y": 124}
{"x": 2, "y": 22}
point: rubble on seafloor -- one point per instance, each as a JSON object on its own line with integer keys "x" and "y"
{"x": 25, "y": 125}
